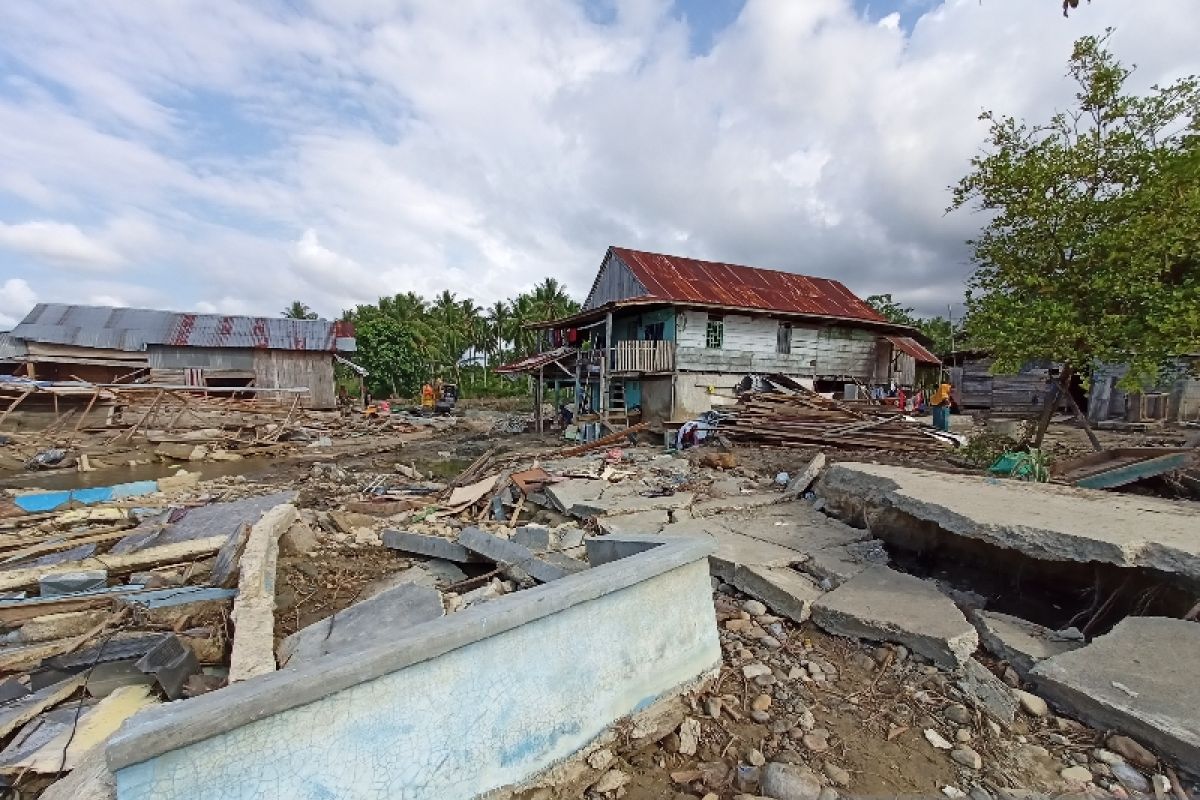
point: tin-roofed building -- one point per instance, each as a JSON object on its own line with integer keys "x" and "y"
{"x": 674, "y": 336}
{"x": 100, "y": 344}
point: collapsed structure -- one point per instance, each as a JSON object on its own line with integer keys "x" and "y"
{"x": 102, "y": 345}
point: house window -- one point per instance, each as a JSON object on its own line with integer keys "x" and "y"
{"x": 714, "y": 334}
{"x": 654, "y": 332}
{"x": 783, "y": 338}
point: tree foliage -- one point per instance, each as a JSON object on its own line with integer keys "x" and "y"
{"x": 405, "y": 340}
{"x": 298, "y": 310}
{"x": 942, "y": 335}
{"x": 1092, "y": 248}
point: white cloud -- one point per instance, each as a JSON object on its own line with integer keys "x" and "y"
{"x": 17, "y": 298}
{"x": 58, "y": 243}
{"x": 239, "y": 157}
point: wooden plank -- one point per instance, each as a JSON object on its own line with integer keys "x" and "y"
{"x": 27, "y": 577}
{"x": 93, "y": 727}
{"x": 18, "y": 713}
{"x": 253, "y": 650}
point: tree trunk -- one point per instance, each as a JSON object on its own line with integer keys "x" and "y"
{"x": 1083, "y": 420}
{"x": 1051, "y": 402}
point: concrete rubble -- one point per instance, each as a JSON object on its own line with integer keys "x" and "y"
{"x": 883, "y": 605}
{"x": 1136, "y": 679}
{"x": 842, "y": 649}
{"x": 1042, "y": 521}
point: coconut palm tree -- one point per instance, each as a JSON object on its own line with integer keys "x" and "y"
{"x": 298, "y": 310}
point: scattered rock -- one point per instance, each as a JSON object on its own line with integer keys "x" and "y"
{"x": 1076, "y": 775}
{"x": 817, "y": 741}
{"x": 754, "y": 608}
{"x": 790, "y": 782}
{"x": 611, "y": 781}
{"x": 1107, "y": 757}
{"x": 1130, "y": 778}
{"x": 755, "y": 670}
{"x": 713, "y": 707}
{"x": 689, "y": 736}
{"x": 963, "y": 735}
{"x": 1131, "y": 751}
{"x": 836, "y": 774}
{"x": 828, "y": 793}
{"x": 601, "y": 759}
{"x": 756, "y": 758}
{"x": 937, "y": 740}
{"x": 761, "y": 703}
{"x": 957, "y": 712}
{"x": 1031, "y": 703}
{"x": 966, "y": 757}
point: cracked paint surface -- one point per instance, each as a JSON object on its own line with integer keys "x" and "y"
{"x": 489, "y": 714}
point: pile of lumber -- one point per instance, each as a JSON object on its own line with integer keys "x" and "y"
{"x": 805, "y": 418}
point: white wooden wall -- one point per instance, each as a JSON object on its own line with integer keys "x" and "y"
{"x": 750, "y": 345}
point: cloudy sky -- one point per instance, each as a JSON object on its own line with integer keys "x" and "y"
{"x": 233, "y": 157}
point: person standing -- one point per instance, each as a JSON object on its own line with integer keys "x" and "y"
{"x": 940, "y": 402}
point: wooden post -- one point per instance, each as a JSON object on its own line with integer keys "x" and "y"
{"x": 1083, "y": 420}
{"x": 604, "y": 356}
{"x": 91, "y": 402}
{"x": 153, "y": 407}
{"x": 15, "y": 403}
{"x": 541, "y": 388}
{"x": 1051, "y": 402}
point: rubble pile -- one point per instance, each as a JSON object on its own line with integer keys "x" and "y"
{"x": 842, "y": 673}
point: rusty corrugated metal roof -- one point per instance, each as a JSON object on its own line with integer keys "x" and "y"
{"x": 689, "y": 280}
{"x": 536, "y": 361}
{"x": 133, "y": 329}
{"x": 910, "y": 346}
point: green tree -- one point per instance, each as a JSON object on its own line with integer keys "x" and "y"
{"x": 298, "y": 310}
{"x": 1092, "y": 250}
{"x": 389, "y": 351}
{"x": 891, "y": 310}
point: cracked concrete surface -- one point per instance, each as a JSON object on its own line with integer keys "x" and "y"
{"x": 1044, "y": 521}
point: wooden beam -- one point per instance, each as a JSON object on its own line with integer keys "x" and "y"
{"x": 117, "y": 564}
{"x": 254, "y": 609}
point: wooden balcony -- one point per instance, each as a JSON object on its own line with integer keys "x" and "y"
{"x": 641, "y": 356}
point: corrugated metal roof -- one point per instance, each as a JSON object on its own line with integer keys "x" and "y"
{"x": 132, "y": 329}
{"x": 536, "y": 361}
{"x": 11, "y": 348}
{"x": 912, "y": 347}
{"x": 689, "y": 280}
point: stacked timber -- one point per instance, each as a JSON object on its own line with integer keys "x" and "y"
{"x": 807, "y": 419}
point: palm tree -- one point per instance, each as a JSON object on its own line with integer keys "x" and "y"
{"x": 298, "y": 310}
{"x": 498, "y": 318}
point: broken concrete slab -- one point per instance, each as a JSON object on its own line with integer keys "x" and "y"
{"x": 733, "y": 549}
{"x": 431, "y": 546}
{"x": 358, "y": 627}
{"x": 883, "y": 605}
{"x": 719, "y": 505}
{"x": 639, "y": 522}
{"x": 785, "y": 591}
{"x": 511, "y": 554}
{"x": 1044, "y": 521}
{"x": 535, "y": 537}
{"x": 799, "y": 484}
{"x": 1137, "y": 679}
{"x": 564, "y": 496}
{"x": 1019, "y": 642}
{"x": 987, "y": 692}
{"x": 181, "y": 451}
{"x": 627, "y": 498}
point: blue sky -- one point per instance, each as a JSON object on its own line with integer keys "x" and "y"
{"x": 236, "y": 156}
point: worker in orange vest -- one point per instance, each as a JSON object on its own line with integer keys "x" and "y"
{"x": 427, "y": 396}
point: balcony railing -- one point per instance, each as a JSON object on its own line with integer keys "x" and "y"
{"x": 642, "y": 357}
